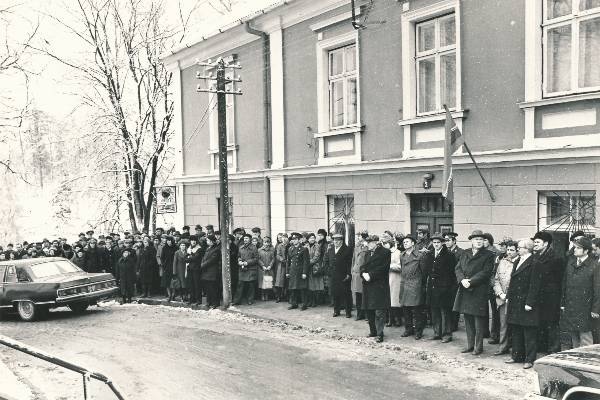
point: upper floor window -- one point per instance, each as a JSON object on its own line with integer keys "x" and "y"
{"x": 571, "y": 35}
{"x": 435, "y": 57}
{"x": 343, "y": 87}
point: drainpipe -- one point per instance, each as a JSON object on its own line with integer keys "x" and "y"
{"x": 267, "y": 121}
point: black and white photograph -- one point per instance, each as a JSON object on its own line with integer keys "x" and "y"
{"x": 299, "y": 199}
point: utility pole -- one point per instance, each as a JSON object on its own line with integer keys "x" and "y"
{"x": 221, "y": 91}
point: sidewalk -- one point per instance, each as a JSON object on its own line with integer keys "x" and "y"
{"x": 11, "y": 388}
{"x": 318, "y": 318}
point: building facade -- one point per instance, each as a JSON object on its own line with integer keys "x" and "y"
{"x": 341, "y": 128}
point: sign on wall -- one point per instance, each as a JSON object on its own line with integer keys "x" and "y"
{"x": 166, "y": 199}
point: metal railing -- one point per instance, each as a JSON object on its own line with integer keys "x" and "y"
{"x": 86, "y": 374}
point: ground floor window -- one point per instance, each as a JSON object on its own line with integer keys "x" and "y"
{"x": 340, "y": 210}
{"x": 564, "y": 212}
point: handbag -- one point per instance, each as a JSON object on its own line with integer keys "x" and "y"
{"x": 267, "y": 282}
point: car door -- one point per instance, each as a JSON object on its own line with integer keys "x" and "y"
{"x": 10, "y": 285}
{"x": 2, "y": 286}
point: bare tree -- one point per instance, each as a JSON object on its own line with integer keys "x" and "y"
{"x": 128, "y": 88}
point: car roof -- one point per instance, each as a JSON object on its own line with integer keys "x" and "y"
{"x": 31, "y": 261}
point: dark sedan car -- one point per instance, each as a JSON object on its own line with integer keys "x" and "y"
{"x": 570, "y": 375}
{"x": 33, "y": 286}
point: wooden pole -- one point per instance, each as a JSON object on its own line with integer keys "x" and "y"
{"x": 489, "y": 189}
{"x": 224, "y": 182}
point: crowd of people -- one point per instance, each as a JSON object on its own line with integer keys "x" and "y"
{"x": 524, "y": 295}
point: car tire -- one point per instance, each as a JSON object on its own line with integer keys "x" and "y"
{"x": 27, "y": 310}
{"x": 78, "y": 308}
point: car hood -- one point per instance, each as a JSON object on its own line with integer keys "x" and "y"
{"x": 79, "y": 278}
{"x": 583, "y": 358}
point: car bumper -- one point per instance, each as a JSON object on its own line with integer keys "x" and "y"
{"x": 89, "y": 297}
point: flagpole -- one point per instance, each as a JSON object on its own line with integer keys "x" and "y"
{"x": 489, "y": 189}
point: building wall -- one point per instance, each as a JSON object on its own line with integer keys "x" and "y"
{"x": 249, "y": 121}
{"x": 201, "y": 203}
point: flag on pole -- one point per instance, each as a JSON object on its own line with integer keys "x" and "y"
{"x": 452, "y": 142}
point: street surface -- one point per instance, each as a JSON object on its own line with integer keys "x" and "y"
{"x": 157, "y": 352}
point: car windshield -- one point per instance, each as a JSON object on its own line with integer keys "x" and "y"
{"x": 52, "y": 268}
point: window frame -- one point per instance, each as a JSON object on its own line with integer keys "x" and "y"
{"x": 343, "y": 77}
{"x": 437, "y": 52}
{"x": 573, "y": 20}
{"x": 543, "y": 196}
{"x": 332, "y": 220}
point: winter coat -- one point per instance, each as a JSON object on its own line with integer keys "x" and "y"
{"x": 179, "y": 268}
{"x": 394, "y": 278}
{"x": 478, "y": 269}
{"x": 524, "y": 289}
{"x": 266, "y": 263}
{"x": 502, "y": 279}
{"x": 280, "y": 265}
{"x": 79, "y": 261}
{"x": 339, "y": 265}
{"x": 315, "y": 268}
{"x": 359, "y": 256}
{"x": 166, "y": 263}
{"x": 412, "y": 278}
{"x": 298, "y": 264}
{"x": 94, "y": 260}
{"x": 127, "y": 275}
{"x": 376, "y": 291}
{"x": 441, "y": 281}
{"x": 147, "y": 264}
{"x": 552, "y": 266}
{"x": 580, "y": 295}
{"x": 248, "y": 253}
{"x": 210, "y": 267}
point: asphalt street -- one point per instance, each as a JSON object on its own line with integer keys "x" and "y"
{"x": 155, "y": 352}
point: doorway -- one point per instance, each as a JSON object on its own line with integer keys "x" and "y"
{"x": 432, "y": 212}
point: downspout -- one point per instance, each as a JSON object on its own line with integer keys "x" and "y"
{"x": 267, "y": 122}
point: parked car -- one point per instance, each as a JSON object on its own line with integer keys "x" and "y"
{"x": 569, "y": 375}
{"x": 33, "y": 286}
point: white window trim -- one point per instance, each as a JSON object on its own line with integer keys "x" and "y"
{"x": 534, "y": 82}
{"x": 323, "y": 47}
{"x": 409, "y": 20}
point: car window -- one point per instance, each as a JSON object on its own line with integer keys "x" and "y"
{"x": 11, "y": 274}
{"x": 51, "y": 268}
{"x": 22, "y": 275}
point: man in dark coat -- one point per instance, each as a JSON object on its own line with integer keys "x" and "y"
{"x": 298, "y": 263}
{"x": 248, "y": 272}
{"x": 523, "y": 305}
{"x": 127, "y": 264}
{"x": 441, "y": 288}
{"x": 450, "y": 241}
{"x": 552, "y": 266}
{"x": 338, "y": 261}
{"x": 94, "y": 257}
{"x": 473, "y": 272}
{"x": 210, "y": 270}
{"x": 195, "y": 253}
{"x": 413, "y": 279}
{"x": 580, "y": 302}
{"x": 376, "y": 289}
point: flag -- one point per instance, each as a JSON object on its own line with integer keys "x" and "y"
{"x": 452, "y": 142}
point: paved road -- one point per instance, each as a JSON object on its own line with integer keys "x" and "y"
{"x": 159, "y": 353}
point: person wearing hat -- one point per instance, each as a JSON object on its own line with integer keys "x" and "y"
{"x": 256, "y": 234}
{"x": 239, "y": 235}
{"x": 185, "y": 232}
{"x": 440, "y": 292}
{"x": 574, "y": 236}
{"x": 248, "y": 271}
{"x": 473, "y": 272}
{"x": 210, "y": 229}
{"x": 376, "y": 296}
{"x": 89, "y": 235}
{"x": 501, "y": 285}
{"x": 580, "y": 302}
{"x": 412, "y": 288}
{"x": 338, "y": 261}
{"x": 552, "y": 266}
{"x": 359, "y": 257}
{"x": 522, "y": 301}
{"x": 279, "y": 282}
{"x": 450, "y": 242}
{"x": 210, "y": 271}
{"x": 298, "y": 263}
{"x": 126, "y": 265}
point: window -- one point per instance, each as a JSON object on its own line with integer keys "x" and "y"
{"x": 571, "y": 34}
{"x": 340, "y": 209}
{"x": 343, "y": 88}
{"x": 435, "y": 58}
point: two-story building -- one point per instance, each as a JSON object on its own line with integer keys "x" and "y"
{"x": 339, "y": 127}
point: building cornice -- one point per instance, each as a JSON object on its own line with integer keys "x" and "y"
{"x": 485, "y": 159}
